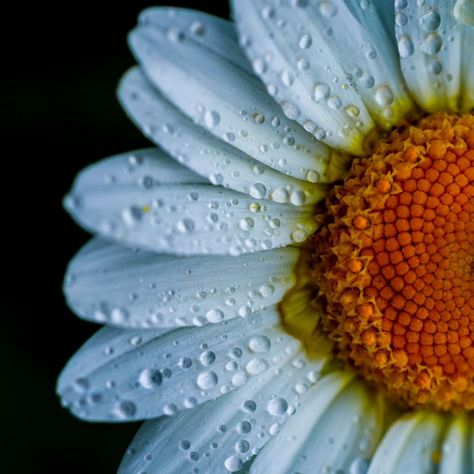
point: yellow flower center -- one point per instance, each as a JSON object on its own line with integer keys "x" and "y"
{"x": 393, "y": 263}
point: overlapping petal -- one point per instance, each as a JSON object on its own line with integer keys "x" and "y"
{"x": 220, "y": 94}
{"x": 112, "y": 284}
{"x": 436, "y": 54}
{"x": 456, "y": 451}
{"x": 122, "y": 375}
{"x": 218, "y": 161}
{"x": 336, "y": 429}
{"x": 411, "y": 445}
{"x": 146, "y": 199}
{"x": 222, "y": 435}
{"x": 331, "y": 65}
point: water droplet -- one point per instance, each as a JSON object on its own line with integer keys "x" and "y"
{"x": 290, "y": 110}
{"x": 186, "y": 225}
{"x": 244, "y": 427}
{"x": 233, "y": 464}
{"x": 305, "y": 41}
{"x": 277, "y": 406}
{"x": 207, "y": 380}
{"x": 197, "y": 28}
{"x": 256, "y": 366}
{"x": 170, "y": 409}
{"x": 150, "y": 378}
{"x": 405, "y": 46}
{"x": 184, "y": 444}
{"x": 384, "y": 96}
{"x": 215, "y": 315}
{"x": 260, "y": 344}
{"x": 297, "y": 198}
{"x": 185, "y": 362}
{"x": 430, "y": 21}
{"x": 327, "y": 8}
{"x": 299, "y": 236}
{"x": 246, "y": 223}
{"x": 207, "y": 358}
{"x": 126, "y": 409}
{"x": 359, "y": 466}
{"x": 312, "y": 176}
{"x": 432, "y": 44}
{"x": 279, "y": 195}
{"x": 242, "y": 446}
{"x": 352, "y": 111}
{"x": 211, "y": 118}
{"x": 258, "y": 191}
{"x": 132, "y": 215}
{"x": 321, "y": 91}
{"x": 249, "y": 406}
{"x": 174, "y": 35}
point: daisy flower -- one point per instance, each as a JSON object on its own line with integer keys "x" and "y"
{"x": 286, "y": 284}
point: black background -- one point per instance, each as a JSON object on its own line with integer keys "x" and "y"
{"x": 58, "y": 114}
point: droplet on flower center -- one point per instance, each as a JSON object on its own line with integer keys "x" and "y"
{"x": 393, "y": 263}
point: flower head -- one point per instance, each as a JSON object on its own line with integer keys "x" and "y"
{"x": 286, "y": 283}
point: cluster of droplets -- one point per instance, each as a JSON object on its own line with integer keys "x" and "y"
{"x": 430, "y": 40}
{"x": 341, "y": 90}
{"x": 220, "y": 162}
{"x": 260, "y": 130}
{"x": 192, "y": 217}
{"x": 148, "y": 299}
{"x": 239, "y": 433}
{"x": 188, "y": 372}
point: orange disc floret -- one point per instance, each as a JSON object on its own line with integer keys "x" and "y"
{"x": 394, "y": 263}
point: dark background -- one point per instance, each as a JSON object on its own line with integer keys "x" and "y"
{"x": 58, "y": 113}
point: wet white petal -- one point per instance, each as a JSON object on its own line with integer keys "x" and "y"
{"x": 467, "y": 69}
{"x": 128, "y": 374}
{"x": 220, "y": 436}
{"x": 218, "y": 93}
{"x": 336, "y": 428}
{"x": 436, "y": 54}
{"x": 208, "y": 155}
{"x": 112, "y": 284}
{"x": 137, "y": 205}
{"x": 330, "y": 64}
{"x": 410, "y": 445}
{"x": 456, "y": 449}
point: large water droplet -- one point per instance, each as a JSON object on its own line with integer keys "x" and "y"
{"x": 384, "y": 96}
{"x": 405, "y": 46}
{"x": 207, "y": 380}
{"x": 277, "y": 406}
{"x": 432, "y": 44}
{"x": 259, "y": 344}
{"x": 211, "y": 118}
{"x": 430, "y": 21}
{"x": 150, "y": 378}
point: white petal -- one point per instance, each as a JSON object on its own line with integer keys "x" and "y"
{"x": 220, "y": 436}
{"x": 410, "y": 445}
{"x": 336, "y": 429}
{"x": 467, "y": 69}
{"x": 386, "y": 12}
{"x": 455, "y": 450}
{"x": 206, "y": 154}
{"x": 112, "y": 284}
{"x": 135, "y": 205}
{"x": 436, "y": 54}
{"x": 128, "y": 375}
{"x": 217, "y": 93}
{"x": 331, "y": 64}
